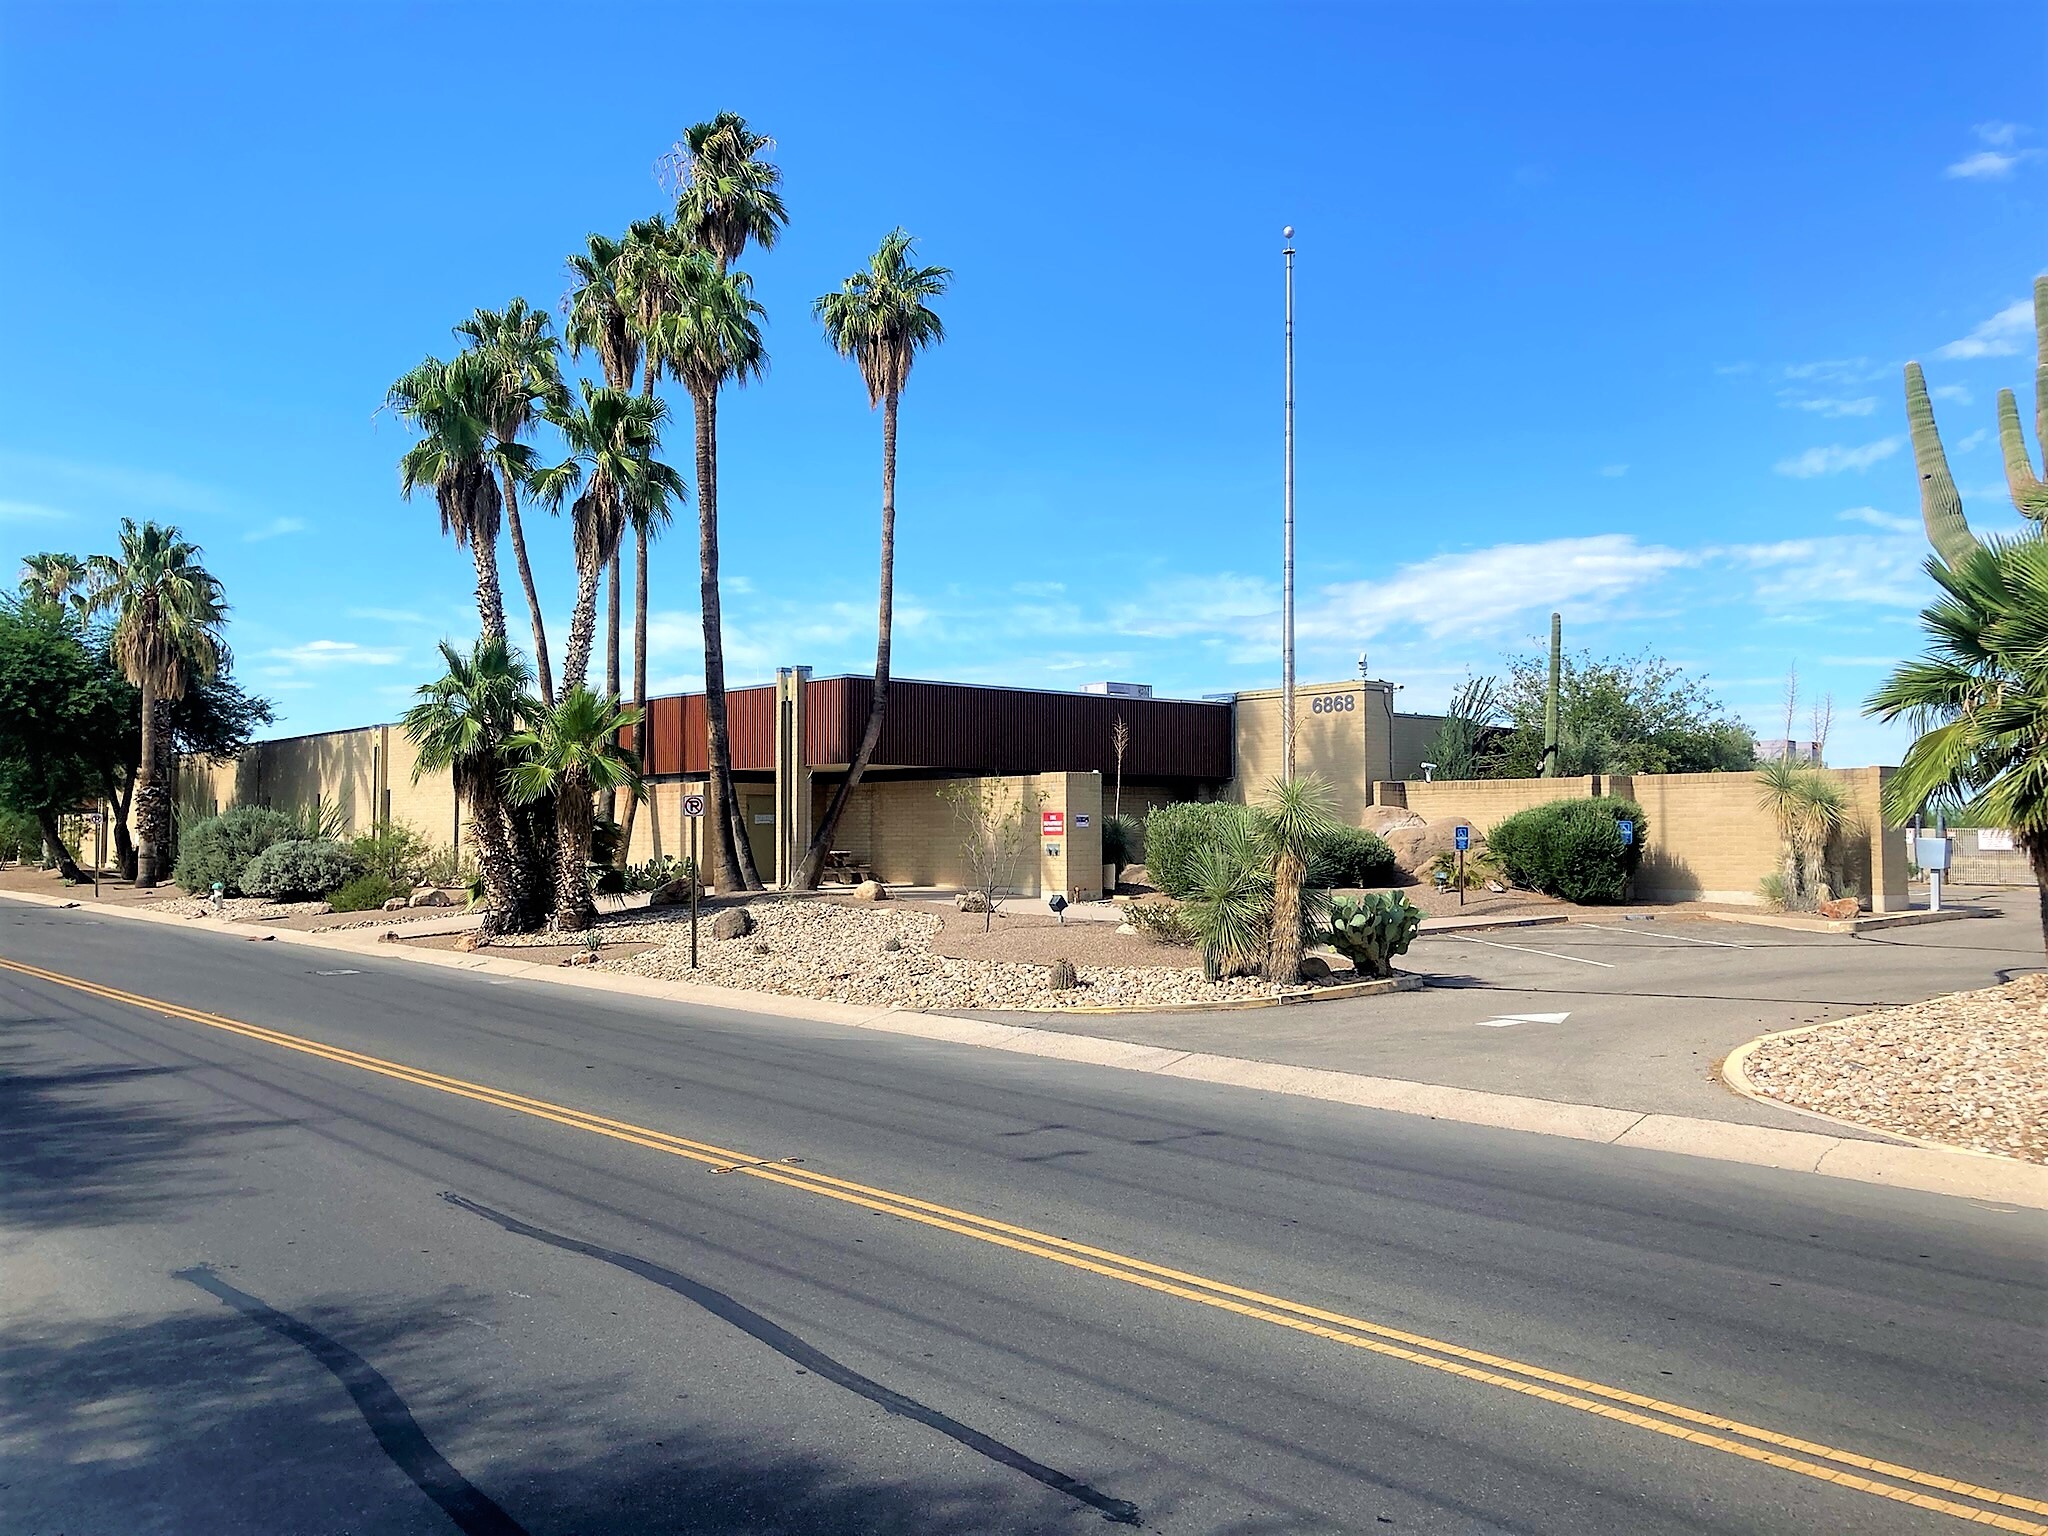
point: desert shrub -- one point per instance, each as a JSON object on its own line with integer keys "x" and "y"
{"x": 1230, "y": 899}
{"x": 1163, "y": 922}
{"x": 365, "y": 893}
{"x": 1351, "y": 856}
{"x": 1371, "y": 931}
{"x": 1175, "y": 835}
{"x": 1122, "y": 841}
{"x": 300, "y": 869}
{"x": 1571, "y": 848}
{"x": 447, "y": 866}
{"x": 394, "y": 850}
{"x": 1480, "y": 867}
{"x": 21, "y": 835}
{"x": 1775, "y": 891}
{"x": 219, "y": 848}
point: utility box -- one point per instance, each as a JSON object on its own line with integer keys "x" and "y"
{"x": 1931, "y": 854}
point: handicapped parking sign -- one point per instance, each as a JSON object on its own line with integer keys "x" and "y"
{"x": 1628, "y": 832}
{"x": 1463, "y": 835}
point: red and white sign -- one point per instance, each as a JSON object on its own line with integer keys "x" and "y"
{"x": 1052, "y": 823}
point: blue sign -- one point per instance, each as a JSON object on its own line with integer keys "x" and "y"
{"x": 1464, "y": 838}
{"x": 1628, "y": 832}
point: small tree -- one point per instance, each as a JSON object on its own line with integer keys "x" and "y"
{"x": 1119, "y": 743}
{"x": 991, "y": 836}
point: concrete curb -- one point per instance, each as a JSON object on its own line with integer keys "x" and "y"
{"x": 1869, "y": 922}
{"x": 1377, "y": 987}
{"x": 1931, "y": 1170}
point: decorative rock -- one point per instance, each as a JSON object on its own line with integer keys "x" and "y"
{"x": 971, "y": 901}
{"x": 1063, "y": 977}
{"x": 470, "y": 941}
{"x": 588, "y": 957}
{"x": 870, "y": 890}
{"x": 675, "y": 893}
{"x": 892, "y": 945}
{"x": 732, "y": 923}
{"x": 395, "y": 904}
{"x": 1314, "y": 968}
{"x": 1846, "y": 906}
{"x": 388, "y": 936}
{"x": 430, "y": 897}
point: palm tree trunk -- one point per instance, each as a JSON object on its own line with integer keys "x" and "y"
{"x": 885, "y": 627}
{"x": 507, "y": 898}
{"x": 574, "y": 911}
{"x": 490, "y": 597}
{"x": 1283, "y": 946}
{"x": 627, "y": 815}
{"x": 582, "y": 627}
{"x": 732, "y": 863}
{"x": 149, "y": 796}
{"x": 541, "y": 670}
{"x": 611, "y": 628}
{"x": 2036, "y": 845}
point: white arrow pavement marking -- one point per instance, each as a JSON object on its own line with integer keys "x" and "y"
{"x": 1523, "y": 1018}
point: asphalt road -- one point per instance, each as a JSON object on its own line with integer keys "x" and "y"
{"x": 1650, "y": 1005}
{"x": 255, "y": 1283}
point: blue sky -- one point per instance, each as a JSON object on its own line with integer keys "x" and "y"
{"x": 1600, "y": 308}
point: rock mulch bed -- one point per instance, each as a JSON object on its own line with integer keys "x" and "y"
{"x": 821, "y": 949}
{"x": 238, "y": 909}
{"x": 1969, "y": 1069}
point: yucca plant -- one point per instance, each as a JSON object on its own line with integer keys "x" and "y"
{"x": 1810, "y": 810}
{"x": 1294, "y": 822}
{"x": 1231, "y": 904}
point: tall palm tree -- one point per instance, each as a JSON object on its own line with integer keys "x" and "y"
{"x": 880, "y": 318}
{"x": 464, "y": 723}
{"x": 1979, "y": 699}
{"x": 711, "y": 336}
{"x": 519, "y": 342}
{"x": 453, "y": 406}
{"x": 56, "y": 580}
{"x": 568, "y": 754}
{"x": 728, "y": 194}
{"x": 601, "y": 319}
{"x": 612, "y": 436}
{"x": 168, "y": 611}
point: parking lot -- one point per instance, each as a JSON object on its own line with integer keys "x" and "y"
{"x": 1625, "y": 1009}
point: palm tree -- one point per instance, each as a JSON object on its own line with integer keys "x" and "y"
{"x": 711, "y": 336}
{"x": 1296, "y": 820}
{"x": 570, "y": 753}
{"x": 612, "y": 437}
{"x": 521, "y": 348}
{"x": 464, "y": 723}
{"x": 168, "y": 611}
{"x": 601, "y": 319}
{"x": 728, "y": 195}
{"x": 1979, "y": 699}
{"x": 879, "y": 317}
{"x": 55, "y": 580}
{"x": 454, "y": 406}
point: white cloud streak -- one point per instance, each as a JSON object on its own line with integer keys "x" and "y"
{"x": 1834, "y": 459}
{"x": 1997, "y": 337}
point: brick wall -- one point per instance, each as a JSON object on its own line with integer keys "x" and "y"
{"x": 908, "y": 832}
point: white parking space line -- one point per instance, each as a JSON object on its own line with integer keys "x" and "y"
{"x": 1521, "y": 949}
{"x": 1646, "y": 933}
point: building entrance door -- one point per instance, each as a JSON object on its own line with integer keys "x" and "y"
{"x": 760, "y": 814}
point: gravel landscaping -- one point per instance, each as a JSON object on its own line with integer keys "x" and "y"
{"x": 824, "y": 949}
{"x": 1969, "y": 1069}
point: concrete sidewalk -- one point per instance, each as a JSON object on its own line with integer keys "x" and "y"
{"x": 1838, "y": 1155}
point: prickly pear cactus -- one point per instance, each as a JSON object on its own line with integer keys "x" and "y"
{"x": 1371, "y": 930}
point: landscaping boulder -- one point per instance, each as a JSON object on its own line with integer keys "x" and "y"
{"x": 1840, "y": 908}
{"x": 674, "y": 893}
{"x": 732, "y": 923}
{"x": 432, "y": 896}
{"x": 1314, "y": 968}
{"x": 394, "y": 904}
{"x": 870, "y": 890}
{"x": 971, "y": 901}
{"x": 1383, "y": 819}
{"x": 1063, "y": 977}
{"x": 1417, "y": 844}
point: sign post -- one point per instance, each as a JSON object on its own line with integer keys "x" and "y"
{"x": 693, "y": 809}
{"x": 1463, "y": 837}
{"x": 1627, "y": 829}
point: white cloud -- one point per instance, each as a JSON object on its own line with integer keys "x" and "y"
{"x": 1891, "y": 522}
{"x": 30, "y": 512}
{"x": 1960, "y": 393}
{"x": 1988, "y": 164}
{"x": 1832, "y": 460}
{"x": 1613, "y": 471}
{"x": 1835, "y": 370}
{"x": 137, "y": 489}
{"x": 1998, "y": 135}
{"x": 275, "y": 528}
{"x": 337, "y": 653}
{"x": 1997, "y": 337}
{"x": 1181, "y": 606}
{"x": 1731, "y": 370}
{"x": 1976, "y": 439}
{"x": 1861, "y": 406}
{"x": 1883, "y": 569}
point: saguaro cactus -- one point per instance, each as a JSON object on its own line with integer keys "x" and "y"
{"x": 1941, "y": 508}
{"x": 1549, "y": 768}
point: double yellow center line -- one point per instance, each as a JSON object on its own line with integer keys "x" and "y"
{"x": 1845, "y": 1469}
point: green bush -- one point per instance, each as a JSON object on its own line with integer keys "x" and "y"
{"x": 394, "y": 850}
{"x": 365, "y": 893}
{"x": 1371, "y": 931}
{"x": 300, "y": 869}
{"x": 1351, "y": 857}
{"x": 1163, "y": 922}
{"x": 1175, "y": 835}
{"x": 1571, "y": 848}
{"x": 1122, "y": 841}
{"x": 219, "y": 848}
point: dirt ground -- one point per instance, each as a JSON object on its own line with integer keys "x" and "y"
{"x": 533, "y": 954}
{"x": 1042, "y": 938}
